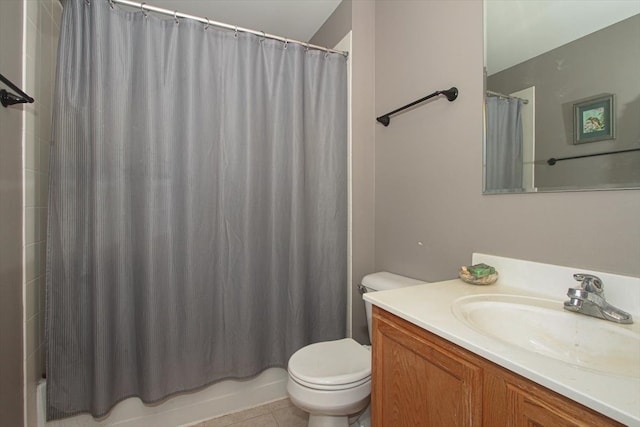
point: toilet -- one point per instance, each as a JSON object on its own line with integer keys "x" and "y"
{"x": 331, "y": 380}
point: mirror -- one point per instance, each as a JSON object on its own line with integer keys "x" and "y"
{"x": 562, "y": 104}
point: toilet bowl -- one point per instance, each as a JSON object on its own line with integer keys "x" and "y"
{"x": 331, "y": 380}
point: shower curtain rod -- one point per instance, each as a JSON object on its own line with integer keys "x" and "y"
{"x": 502, "y": 95}
{"x": 208, "y": 22}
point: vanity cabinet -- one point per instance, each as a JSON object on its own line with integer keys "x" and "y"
{"x": 420, "y": 379}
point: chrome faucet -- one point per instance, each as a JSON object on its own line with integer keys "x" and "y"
{"x": 589, "y": 299}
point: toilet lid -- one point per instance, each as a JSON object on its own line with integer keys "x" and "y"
{"x": 331, "y": 364}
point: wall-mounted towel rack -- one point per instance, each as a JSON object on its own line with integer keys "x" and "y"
{"x": 451, "y": 95}
{"x": 552, "y": 161}
{"x": 8, "y": 98}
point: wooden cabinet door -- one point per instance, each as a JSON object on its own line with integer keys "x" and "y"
{"x": 416, "y": 382}
{"x": 527, "y": 408}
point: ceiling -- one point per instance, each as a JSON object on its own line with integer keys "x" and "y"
{"x": 293, "y": 19}
{"x": 517, "y": 30}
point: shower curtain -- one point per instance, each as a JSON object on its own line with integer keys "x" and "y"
{"x": 197, "y": 210}
{"x": 503, "y": 153}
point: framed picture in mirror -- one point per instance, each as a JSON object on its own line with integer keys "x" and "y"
{"x": 594, "y": 119}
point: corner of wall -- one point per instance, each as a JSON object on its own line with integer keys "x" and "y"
{"x": 363, "y": 154}
{"x": 359, "y": 18}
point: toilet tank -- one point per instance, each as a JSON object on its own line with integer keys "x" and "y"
{"x": 383, "y": 281}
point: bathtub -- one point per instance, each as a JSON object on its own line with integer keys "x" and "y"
{"x": 182, "y": 410}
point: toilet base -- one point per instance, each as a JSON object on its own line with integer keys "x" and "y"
{"x": 359, "y": 419}
{"x": 328, "y": 421}
{"x": 330, "y": 408}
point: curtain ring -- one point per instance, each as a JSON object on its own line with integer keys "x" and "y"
{"x": 326, "y": 52}
{"x": 306, "y": 49}
{"x": 235, "y": 34}
{"x": 87, "y": 2}
{"x": 286, "y": 42}
{"x": 111, "y": 4}
{"x": 264, "y": 36}
{"x": 208, "y": 22}
{"x": 175, "y": 16}
{"x": 143, "y": 11}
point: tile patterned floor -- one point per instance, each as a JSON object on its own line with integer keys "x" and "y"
{"x": 280, "y": 413}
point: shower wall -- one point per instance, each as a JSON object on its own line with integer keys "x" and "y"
{"x": 42, "y": 25}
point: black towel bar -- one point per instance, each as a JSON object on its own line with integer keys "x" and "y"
{"x": 451, "y": 95}
{"x": 8, "y": 98}
{"x": 552, "y": 161}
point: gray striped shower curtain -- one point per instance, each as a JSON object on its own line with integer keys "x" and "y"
{"x": 197, "y": 208}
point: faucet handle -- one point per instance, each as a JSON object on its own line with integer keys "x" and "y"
{"x": 590, "y": 283}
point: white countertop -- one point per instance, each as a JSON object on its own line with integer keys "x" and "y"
{"x": 429, "y": 306}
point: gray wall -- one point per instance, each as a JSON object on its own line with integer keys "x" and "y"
{"x": 418, "y": 208}
{"x": 607, "y": 61}
{"x": 428, "y": 164}
{"x": 11, "y": 317}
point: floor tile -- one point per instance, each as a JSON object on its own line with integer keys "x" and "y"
{"x": 279, "y": 404}
{"x": 261, "y": 421}
{"x": 291, "y": 417}
{"x": 236, "y": 417}
{"x": 279, "y": 413}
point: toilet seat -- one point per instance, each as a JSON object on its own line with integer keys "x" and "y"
{"x": 331, "y": 365}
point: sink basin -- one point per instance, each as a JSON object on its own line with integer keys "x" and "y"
{"x": 544, "y": 327}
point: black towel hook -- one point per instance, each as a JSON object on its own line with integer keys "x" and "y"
{"x": 8, "y": 98}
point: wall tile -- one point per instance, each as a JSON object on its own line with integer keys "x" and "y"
{"x": 30, "y": 188}
{"x": 46, "y": 61}
{"x": 33, "y": 336}
{"x": 42, "y": 226}
{"x": 44, "y": 121}
{"x": 32, "y": 299}
{"x": 32, "y": 414}
{"x": 43, "y": 155}
{"x": 31, "y": 157}
{"x": 43, "y": 190}
{"x": 42, "y": 254}
{"x": 56, "y": 13}
{"x": 46, "y": 9}
{"x": 32, "y": 122}
{"x": 31, "y": 266}
{"x": 33, "y": 367}
{"x": 31, "y": 126}
{"x": 42, "y": 366}
{"x": 31, "y": 225}
{"x": 32, "y": 12}
{"x": 31, "y": 51}
{"x": 42, "y": 298}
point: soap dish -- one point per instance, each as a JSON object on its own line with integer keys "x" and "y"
{"x": 484, "y": 280}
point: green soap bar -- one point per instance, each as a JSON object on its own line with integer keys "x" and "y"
{"x": 481, "y": 270}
